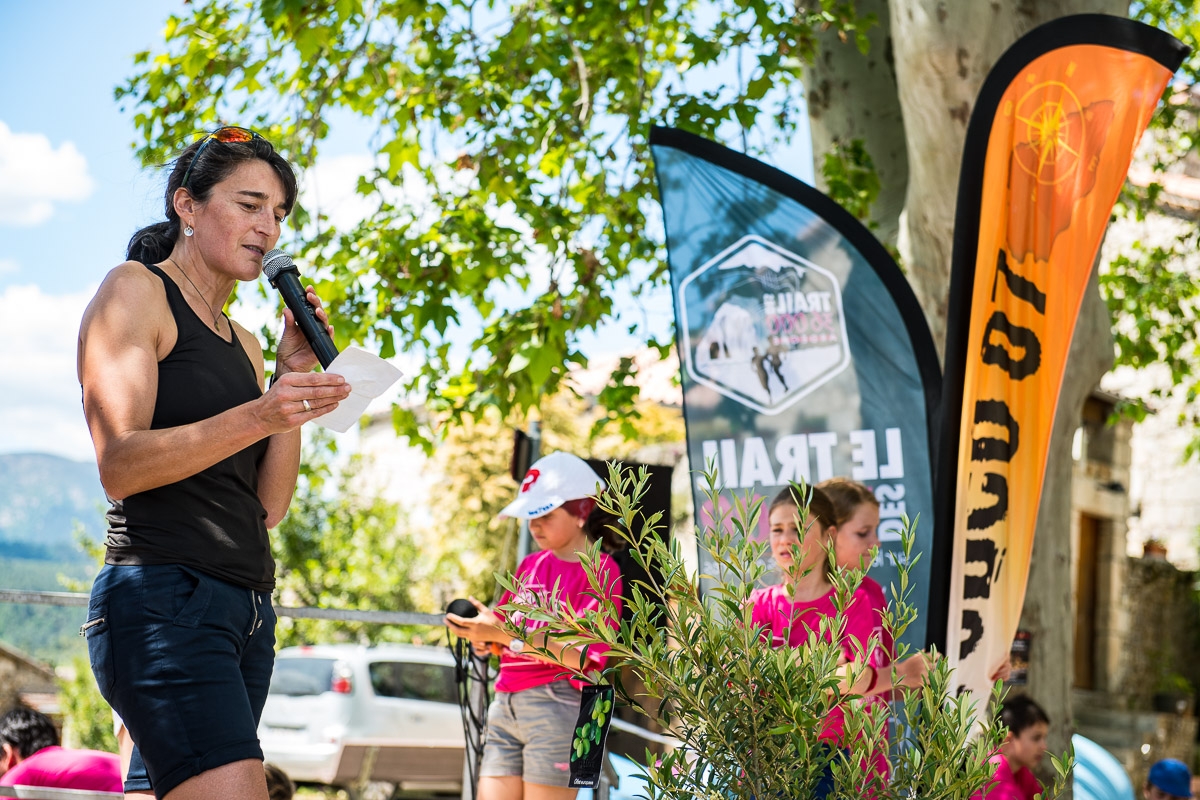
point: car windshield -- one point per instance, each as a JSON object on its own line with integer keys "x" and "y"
{"x": 409, "y": 681}
{"x": 301, "y": 676}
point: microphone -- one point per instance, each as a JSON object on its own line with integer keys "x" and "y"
{"x": 282, "y": 273}
{"x": 462, "y": 608}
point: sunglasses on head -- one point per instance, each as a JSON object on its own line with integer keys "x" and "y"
{"x": 226, "y": 135}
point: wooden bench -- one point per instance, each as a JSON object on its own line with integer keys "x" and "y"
{"x": 427, "y": 769}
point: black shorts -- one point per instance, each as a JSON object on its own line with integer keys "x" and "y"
{"x": 185, "y": 659}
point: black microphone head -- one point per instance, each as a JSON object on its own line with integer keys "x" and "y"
{"x": 462, "y": 608}
{"x": 275, "y": 262}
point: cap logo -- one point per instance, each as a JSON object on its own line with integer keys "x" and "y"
{"x": 530, "y": 479}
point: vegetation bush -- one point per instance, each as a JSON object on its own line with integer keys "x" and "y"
{"x": 749, "y": 716}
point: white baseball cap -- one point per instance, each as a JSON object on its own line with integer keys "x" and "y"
{"x": 552, "y": 481}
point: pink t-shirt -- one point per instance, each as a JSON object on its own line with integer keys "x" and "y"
{"x": 538, "y": 575}
{"x": 872, "y": 598}
{"x": 58, "y": 768}
{"x": 1007, "y": 785}
{"x": 784, "y": 622}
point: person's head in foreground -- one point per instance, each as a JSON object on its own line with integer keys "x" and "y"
{"x": 23, "y": 732}
{"x": 209, "y": 195}
{"x": 1168, "y": 778}
{"x": 557, "y": 497}
{"x": 1027, "y": 724}
{"x": 279, "y": 785}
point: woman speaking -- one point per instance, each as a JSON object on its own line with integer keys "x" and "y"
{"x": 198, "y": 463}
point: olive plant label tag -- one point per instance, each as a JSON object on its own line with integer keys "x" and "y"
{"x": 591, "y": 729}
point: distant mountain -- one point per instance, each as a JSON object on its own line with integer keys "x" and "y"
{"x": 42, "y": 499}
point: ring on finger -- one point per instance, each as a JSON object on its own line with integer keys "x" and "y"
{"x": 307, "y": 407}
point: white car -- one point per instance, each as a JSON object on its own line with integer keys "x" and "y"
{"x": 334, "y": 710}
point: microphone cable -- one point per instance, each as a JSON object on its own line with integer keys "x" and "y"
{"x": 470, "y": 672}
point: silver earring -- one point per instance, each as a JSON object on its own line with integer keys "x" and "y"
{"x": 188, "y": 231}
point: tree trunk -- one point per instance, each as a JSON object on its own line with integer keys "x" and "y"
{"x": 943, "y": 52}
{"x": 851, "y": 96}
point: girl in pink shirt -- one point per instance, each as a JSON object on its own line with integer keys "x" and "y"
{"x": 532, "y": 719}
{"x": 789, "y": 612}
{"x": 856, "y": 514}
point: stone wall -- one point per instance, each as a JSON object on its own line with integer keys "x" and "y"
{"x": 1164, "y": 637}
{"x": 1159, "y": 639}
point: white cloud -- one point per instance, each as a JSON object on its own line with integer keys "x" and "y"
{"x": 44, "y": 413}
{"x": 9, "y": 267}
{"x": 34, "y": 176}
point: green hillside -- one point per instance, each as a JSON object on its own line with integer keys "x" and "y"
{"x": 48, "y": 633}
{"x": 44, "y": 499}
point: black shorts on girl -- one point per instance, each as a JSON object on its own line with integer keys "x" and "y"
{"x": 185, "y": 659}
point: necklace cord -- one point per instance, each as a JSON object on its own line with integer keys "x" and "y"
{"x": 200, "y": 294}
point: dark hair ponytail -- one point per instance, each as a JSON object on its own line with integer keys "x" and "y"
{"x": 154, "y": 242}
{"x": 217, "y": 162}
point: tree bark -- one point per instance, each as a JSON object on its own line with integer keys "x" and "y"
{"x": 853, "y": 96}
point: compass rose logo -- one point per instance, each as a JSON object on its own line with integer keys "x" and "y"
{"x": 1054, "y": 140}
{"x": 1053, "y": 163}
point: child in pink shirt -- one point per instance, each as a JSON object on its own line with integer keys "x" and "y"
{"x": 532, "y": 720}
{"x": 1021, "y": 751}
{"x": 538, "y": 576}
{"x": 789, "y": 612}
{"x": 856, "y": 512}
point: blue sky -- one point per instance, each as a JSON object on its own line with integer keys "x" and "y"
{"x": 72, "y": 192}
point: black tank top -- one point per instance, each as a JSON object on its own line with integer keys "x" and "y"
{"x": 212, "y": 521}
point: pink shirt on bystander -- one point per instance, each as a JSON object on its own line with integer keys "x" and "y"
{"x": 786, "y": 623}
{"x": 1008, "y": 785}
{"x": 60, "y": 768}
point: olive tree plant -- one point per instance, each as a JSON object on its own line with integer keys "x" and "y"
{"x": 749, "y": 717}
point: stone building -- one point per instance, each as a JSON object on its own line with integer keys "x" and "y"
{"x": 1134, "y": 538}
{"x": 25, "y": 681}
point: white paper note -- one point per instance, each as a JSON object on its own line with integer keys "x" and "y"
{"x": 368, "y": 375}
